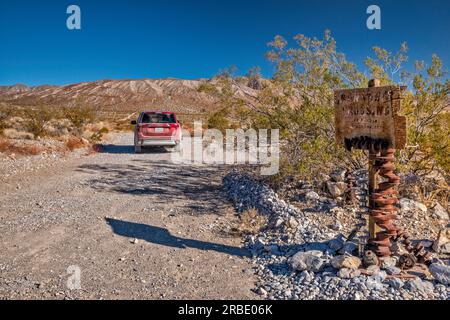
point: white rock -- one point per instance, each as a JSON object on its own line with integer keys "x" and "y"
{"x": 262, "y": 292}
{"x": 393, "y": 270}
{"x": 441, "y": 273}
{"x": 440, "y": 212}
{"x": 312, "y": 196}
{"x": 442, "y": 243}
{"x": 374, "y": 284}
{"x": 336, "y": 189}
{"x": 373, "y": 270}
{"x": 410, "y": 205}
{"x": 395, "y": 283}
{"x": 379, "y": 276}
{"x": 387, "y": 262}
{"x": 306, "y": 261}
{"x": 292, "y": 223}
{"x": 346, "y": 273}
{"x": 279, "y": 222}
{"x": 417, "y": 285}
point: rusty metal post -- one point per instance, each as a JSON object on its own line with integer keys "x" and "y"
{"x": 373, "y": 176}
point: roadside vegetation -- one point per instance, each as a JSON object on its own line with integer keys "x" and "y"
{"x": 298, "y": 100}
{"x": 73, "y": 126}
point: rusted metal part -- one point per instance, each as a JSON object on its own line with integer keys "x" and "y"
{"x": 350, "y": 196}
{"x": 417, "y": 271}
{"x": 370, "y": 259}
{"x": 407, "y": 261}
{"x": 383, "y": 211}
{"x": 383, "y": 201}
{"x": 366, "y": 143}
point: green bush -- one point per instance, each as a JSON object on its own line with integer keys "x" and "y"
{"x": 299, "y": 100}
{"x": 79, "y": 115}
{"x": 36, "y": 120}
{"x": 98, "y": 136}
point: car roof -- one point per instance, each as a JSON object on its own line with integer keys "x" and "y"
{"x": 158, "y": 111}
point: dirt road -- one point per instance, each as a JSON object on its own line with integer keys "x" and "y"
{"x": 136, "y": 225}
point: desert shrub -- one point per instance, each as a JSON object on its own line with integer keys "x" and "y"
{"x": 3, "y": 117}
{"x": 74, "y": 143}
{"x": 36, "y": 119}
{"x": 79, "y": 115}
{"x": 234, "y": 111}
{"x": 299, "y": 101}
{"x": 254, "y": 78}
{"x": 208, "y": 88}
{"x": 9, "y": 147}
{"x": 426, "y": 109}
{"x": 425, "y": 106}
{"x": 15, "y": 134}
{"x": 8, "y": 115}
{"x": 219, "y": 120}
{"x": 58, "y": 127}
{"x": 98, "y": 135}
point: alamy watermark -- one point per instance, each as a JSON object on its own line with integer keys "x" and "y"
{"x": 236, "y": 146}
{"x": 73, "y": 22}
{"x": 74, "y": 280}
{"x": 374, "y": 20}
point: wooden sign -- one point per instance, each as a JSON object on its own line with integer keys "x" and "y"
{"x": 370, "y": 112}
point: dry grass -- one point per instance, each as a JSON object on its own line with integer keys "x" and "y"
{"x": 9, "y": 147}
{"x": 440, "y": 193}
{"x": 250, "y": 222}
{"x": 12, "y": 133}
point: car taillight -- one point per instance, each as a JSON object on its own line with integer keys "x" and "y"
{"x": 174, "y": 125}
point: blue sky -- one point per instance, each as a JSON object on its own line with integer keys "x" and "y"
{"x": 196, "y": 38}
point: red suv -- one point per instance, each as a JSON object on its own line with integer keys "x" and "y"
{"x": 156, "y": 128}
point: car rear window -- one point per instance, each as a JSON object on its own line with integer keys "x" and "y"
{"x": 158, "y": 118}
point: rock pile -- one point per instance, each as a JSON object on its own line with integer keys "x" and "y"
{"x": 312, "y": 261}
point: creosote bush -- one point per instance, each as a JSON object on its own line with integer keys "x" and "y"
{"x": 98, "y": 135}
{"x": 299, "y": 101}
{"x": 36, "y": 119}
{"x": 79, "y": 115}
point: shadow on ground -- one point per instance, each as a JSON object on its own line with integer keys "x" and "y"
{"x": 163, "y": 237}
{"x": 129, "y": 149}
{"x": 168, "y": 182}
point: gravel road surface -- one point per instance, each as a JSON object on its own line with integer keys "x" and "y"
{"x": 136, "y": 226}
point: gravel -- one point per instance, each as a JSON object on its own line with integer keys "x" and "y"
{"x": 301, "y": 267}
{"x": 137, "y": 226}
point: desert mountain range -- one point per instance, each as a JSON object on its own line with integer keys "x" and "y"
{"x": 121, "y": 95}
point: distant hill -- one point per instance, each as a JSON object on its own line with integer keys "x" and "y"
{"x": 176, "y": 95}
